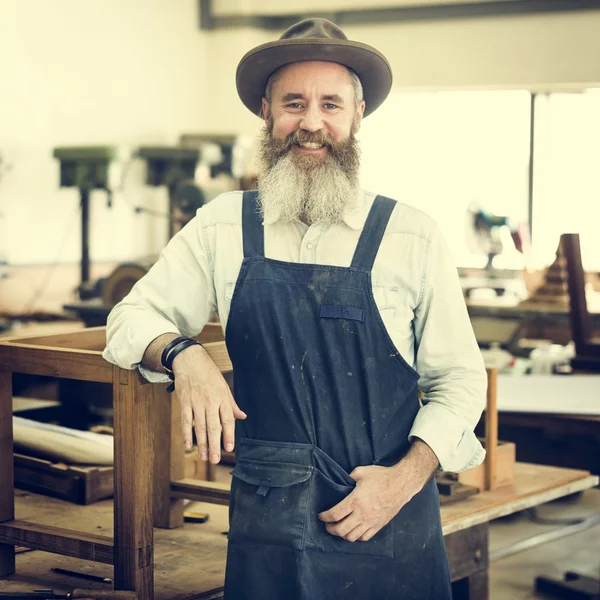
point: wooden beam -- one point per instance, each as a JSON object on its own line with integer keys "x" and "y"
{"x": 83, "y": 365}
{"x": 7, "y": 499}
{"x": 491, "y": 431}
{"x": 91, "y": 338}
{"x": 134, "y": 458}
{"x": 192, "y": 489}
{"x": 169, "y": 457}
{"x": 88, "y": 546}
{"x": 437, "y": 11}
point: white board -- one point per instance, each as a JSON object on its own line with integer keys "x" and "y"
{"x": 564, "y": 394}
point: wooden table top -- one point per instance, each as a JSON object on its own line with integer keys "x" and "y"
{"x": 534, "y": 485}
{"x": 191, "y": 560}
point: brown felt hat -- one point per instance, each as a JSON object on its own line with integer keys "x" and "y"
{"x": 313, "y": 39}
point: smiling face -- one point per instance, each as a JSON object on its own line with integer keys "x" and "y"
{"x": 313, "y": 104}
{"x": 308, "y": 154}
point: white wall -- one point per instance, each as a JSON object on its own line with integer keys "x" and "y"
{"x": 543, "y": 51}
{"x": 80, "y": 72}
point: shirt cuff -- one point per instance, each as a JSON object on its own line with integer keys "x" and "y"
{"x": 129, "y": 355}
{"x": 153, "y": 376}
{"x": 452, "y": 441}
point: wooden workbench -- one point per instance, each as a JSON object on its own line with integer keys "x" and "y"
{"x": 190, "y": 561}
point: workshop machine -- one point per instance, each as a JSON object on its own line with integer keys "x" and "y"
{"x": 86, "y": 168}
{"x": 488, "y": 234}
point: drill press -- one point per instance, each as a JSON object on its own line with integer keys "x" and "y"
{"x": 85, "y": 168}
{"x": 174, "y": 167}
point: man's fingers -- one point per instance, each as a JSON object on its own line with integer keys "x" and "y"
{"x": 200, "y": 427}
{"x": 356, "y": 533}
{"x": 345, "y": 527}
{"x": 238, "y": 413}
{"x": 213, "y": 427}
{"x": 186, "y": 424}
{"x": 368, "y": 534}
{"x": 228, "y": 423}
{"x": 339, "y": 511}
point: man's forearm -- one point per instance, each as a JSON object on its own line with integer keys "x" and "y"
{"x": 419, "y": 464}
{"x": 151, "y": 358}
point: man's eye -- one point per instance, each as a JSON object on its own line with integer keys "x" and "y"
{"x": 330, "y": 106}
{"x": 294, "y": 105}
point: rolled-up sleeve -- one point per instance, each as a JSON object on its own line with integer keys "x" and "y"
{"x": 448, "y": 359}
{"x": 175, "y": 296}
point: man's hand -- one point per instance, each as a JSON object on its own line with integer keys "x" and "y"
{"x": 379, "y": 494}
{"x": 206, "y": 403}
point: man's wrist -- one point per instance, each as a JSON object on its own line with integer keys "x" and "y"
{"x": 418, "y": 466}
{"x": 192, "y": 353}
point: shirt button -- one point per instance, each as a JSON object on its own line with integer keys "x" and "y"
{"x": 309, "y": 246}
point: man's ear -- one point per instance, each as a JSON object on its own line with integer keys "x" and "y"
{"x": 360, "y": 109}
{"x": 265, "y": 111}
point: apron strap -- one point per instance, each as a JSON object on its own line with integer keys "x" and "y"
{"x": 372, "y": 233}
{"x": 252, "y": 227}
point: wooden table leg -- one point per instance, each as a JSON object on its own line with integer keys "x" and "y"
{"x": 473, "y": 587}
{"x": 134, "y": 457}
{"x": 468, "y": 561}
{"x": 168, "y": 458}
{"x": 7, "y": 482}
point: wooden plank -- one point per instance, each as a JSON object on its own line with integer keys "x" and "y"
{"x": 55, "y": 362}
{"x": 491, "y": 432}
{"x": 7, "y": 500}
{"x": 169, "y": 457}
{"x": 209, "y": 491}
{"x": 534, "y": 484}
{"x": 91, "y": 338}
{"x": 94, "y": 338}
{"x": 81, "y": 485}
{"x": 67, "y": 542}
{"x": 134, "y": 458}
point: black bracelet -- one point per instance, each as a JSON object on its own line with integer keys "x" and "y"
{"x": 170, "y": 352}
{"x": 168, "y": 348}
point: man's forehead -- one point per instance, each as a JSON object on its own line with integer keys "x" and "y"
{"x": 309, "y": 73}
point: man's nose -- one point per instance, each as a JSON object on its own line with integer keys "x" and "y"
{"x": 312, "y": 119}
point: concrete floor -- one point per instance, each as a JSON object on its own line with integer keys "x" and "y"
{"x": 512, "y": 578}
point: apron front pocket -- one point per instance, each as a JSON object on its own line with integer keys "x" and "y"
{"x": 269, "y": 502}
{"x": 324, "y": 495}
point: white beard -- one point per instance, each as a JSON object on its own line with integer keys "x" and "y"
{"x": 316, "y": 193}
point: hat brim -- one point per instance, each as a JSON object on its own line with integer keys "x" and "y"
{"x": 256, "y": 67}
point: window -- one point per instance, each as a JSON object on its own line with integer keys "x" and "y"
{"x": 566, "y": 178}
{"x": 443, "y": 151}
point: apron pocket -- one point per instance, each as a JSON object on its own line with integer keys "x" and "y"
{"x": 269, "y": 502}
{"x": 325, "y": 494}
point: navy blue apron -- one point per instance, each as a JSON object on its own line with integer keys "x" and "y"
{"x": 325, "y": 391}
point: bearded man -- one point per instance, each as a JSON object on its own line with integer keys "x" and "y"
{"x": 334, "y": 302}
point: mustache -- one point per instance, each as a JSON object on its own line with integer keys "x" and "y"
{"x": 301, "y": 136}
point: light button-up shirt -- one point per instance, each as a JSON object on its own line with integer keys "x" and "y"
{"x": 415, "y": 286}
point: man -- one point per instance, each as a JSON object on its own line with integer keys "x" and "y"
{"x": 334, "y": 302}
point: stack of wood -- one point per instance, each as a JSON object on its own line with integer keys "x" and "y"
{"x": 555, "y": 288}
